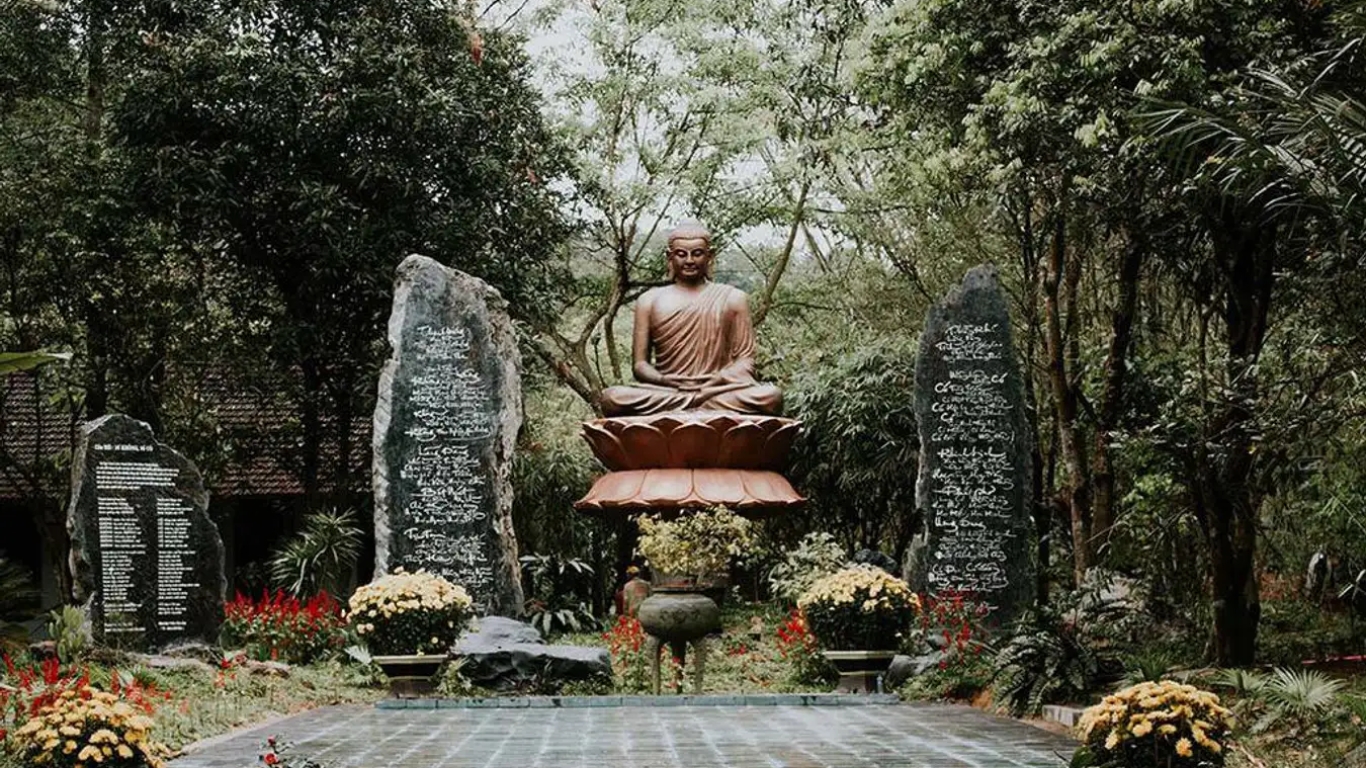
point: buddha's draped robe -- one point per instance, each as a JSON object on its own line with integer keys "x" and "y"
{"x": 697, "y": 342}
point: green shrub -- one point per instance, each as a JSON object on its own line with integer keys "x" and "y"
{"x": 816, "y": 555}
{"x": 1302, "y": 693}
{"x": 69, "y": 628}
{"x": 320, "y": 558}
{"x": 698, "y": 546}
{"x": 556, "y": 585}
{"x": 18, "y": 596}
{"x": 1150, "y": 666}
{"x": 1055, "y": 657}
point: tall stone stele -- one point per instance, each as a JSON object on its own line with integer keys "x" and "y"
{"x": 974, "y": 490}
{"x": 446, "y": 423}
{"x": 143, "y": 549}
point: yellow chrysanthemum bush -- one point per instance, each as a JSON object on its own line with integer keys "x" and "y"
{"x": 409, "y": 613}
{"x": 85, "y": 728}
{"x": 695, "y": 546}
{"x": 1155, "y": 725}
{"x": 861, "y": 607}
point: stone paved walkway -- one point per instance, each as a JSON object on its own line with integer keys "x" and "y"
{"x": 894, "y": 736}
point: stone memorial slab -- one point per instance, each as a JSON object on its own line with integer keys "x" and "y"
{"x": 142, "y": 545}
{"x": 446, "y": 422}
{"x": 974, "y": 490}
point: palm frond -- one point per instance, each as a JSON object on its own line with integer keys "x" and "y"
{"x": 320, "y": 556}
{"x": 1302, "y": 693}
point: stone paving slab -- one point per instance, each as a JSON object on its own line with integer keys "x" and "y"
{"x": 901, "y": 736}
{"x": 709, "y": 700}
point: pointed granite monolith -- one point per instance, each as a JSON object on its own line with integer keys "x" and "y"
{"x": 974, "y": 490}
{"x": 446, "y": 422}
{"x": 143, "y": 549}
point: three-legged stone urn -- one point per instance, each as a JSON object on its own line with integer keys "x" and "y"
{"x": 675, "y": 616}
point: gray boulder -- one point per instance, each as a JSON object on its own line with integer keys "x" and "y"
{"x": 904, "y": 668}
{"x": 497, "y": 630}
{"x": 506, "y": 654}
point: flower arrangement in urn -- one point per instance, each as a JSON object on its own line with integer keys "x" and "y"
{"x": 1165, "y": 724}
{"x": 861, "y": 607}
{"x": 410, "y": 621}
{"x": 696, "y": 547}
{"x": 409, "y": 613}
{"x": 688, "y": 554}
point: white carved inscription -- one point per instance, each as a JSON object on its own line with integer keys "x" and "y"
{"x": 972, "y": 486}
{"x": 136, "y": 521}
{"x": 444, "y": 521}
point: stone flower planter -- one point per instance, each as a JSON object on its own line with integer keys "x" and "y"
{"x": 859, "y": 670}
{"x": 410, "y": 677}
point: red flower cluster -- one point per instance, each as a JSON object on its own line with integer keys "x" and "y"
{"x": 800, "y": 649}
{"x": 283, "y": 627}
{"x": 626, "y": 636}
{"x": 277, "y": 753}
{"x": 227, "y": 670}
{"x": 140, "y": 695}
{"x": 958, "y": 619}
{"x": 795, "y": 638}
{"x": 271, "y": 756}
{"x": 626, "y": 641}
{"x": 26, "y": 690}
{"x": 29, "y": 690}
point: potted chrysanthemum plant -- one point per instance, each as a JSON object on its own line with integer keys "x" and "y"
{"x": 1166, "y": 723}
{"x": 409, "y": 621}
{"x": 859, "y": 615}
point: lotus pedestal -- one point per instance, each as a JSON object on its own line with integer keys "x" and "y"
{"x": 675, "y": 461}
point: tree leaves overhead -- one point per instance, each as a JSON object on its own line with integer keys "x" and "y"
{"x": 196, "y": 183}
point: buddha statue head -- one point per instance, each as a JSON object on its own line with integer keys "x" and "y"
{"x": 689, "y": 254}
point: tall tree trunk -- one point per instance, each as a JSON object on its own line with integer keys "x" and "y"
{"x": 1060, "y": 279}
{"x": 310, "y": 418}
{"x": 764, "y": 301}
{"x": 1043, "y": 510}
{"x": 1232, "y": 537}
{"x": 149, "y": 379}
{"x": 1226, "y": 500}
{"x": 1112, "y": 393}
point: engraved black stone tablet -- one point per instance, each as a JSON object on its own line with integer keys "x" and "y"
{"x": 446, "y": 424}
{"x": 974, "y": 491}
{"x": 142, "y": 545}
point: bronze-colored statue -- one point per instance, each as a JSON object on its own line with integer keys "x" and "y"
{"x": 698, "y": 429}
{"x": 699, "y": 334}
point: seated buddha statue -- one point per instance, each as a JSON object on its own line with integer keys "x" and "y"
{"x": 693, "y": 343}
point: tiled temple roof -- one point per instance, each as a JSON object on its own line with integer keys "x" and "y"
{"x": 263, "y": 456}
